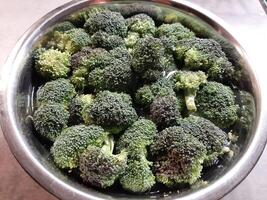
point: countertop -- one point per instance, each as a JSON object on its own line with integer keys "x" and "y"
{"x": 248, "y": 20}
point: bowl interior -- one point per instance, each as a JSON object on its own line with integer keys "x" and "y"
{"x": 28, "y": 81}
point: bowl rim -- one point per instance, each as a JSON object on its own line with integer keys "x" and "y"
{"x": 9, "y": 76}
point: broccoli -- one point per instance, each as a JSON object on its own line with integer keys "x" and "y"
{"x": 77, "y": 58}
{"x": 121, "y": 53}
{"x": 63, "y": 26}
{"x": 73, "y": 140}
{"x": 216, "y": 102}
{"x": 164, "y": 111}
{"x": 131, "y": 39}
{"x": 52, "y": 64}
{"x": 112, "y": 110}
{"x": 178, "y": 157}
{"x": 112, "y": 23}
{"x": 58, "y": 91}
{"x": 77, "y": 108}
{"x": 101, "y": 168}
{"x": 49, "y": 120}
{"x": 142, "y": 24}
{"x": 189, "y": 82}
{"x": 214, "y": 139}
{"x": 104, "y": 40}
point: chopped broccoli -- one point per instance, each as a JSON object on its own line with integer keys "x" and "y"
{"x": 101, "y": 168}
{"x": 73, "y": 140}
{"x": 131, "y": 39}
{"x": 216, "y": 102}
{"x": 104, "y": 40}
{"x": 49, "y": 120}
{"x": 52, "y": 64}
{"x": 178, "y": 157}
{"x": 189, "y": 82}
{"x": 57, "y": 91}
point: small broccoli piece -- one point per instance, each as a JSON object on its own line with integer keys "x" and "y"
{"x": 63, "y": 26}
{"x": 189, "y": 82}
{"x": 101, "y": 168}
{"x": 58, "y": 91}
{"x": 142, "y": 24}
{"x": 112, "y": 110}
{"x": 73, "y": 140}
{"x": 246, "y": 112}
{"x": 72, "y": 40}
{"x": 214, "y": 139}
{"x": 49, "y": 120}
{"x": 178, "y": 157}
{"x": 52, "y": 64}
{"x": 164, "y": 111}
{"x": 131, "y": 39}
{"x": 216, "y": 102}
{"x": 77, "y": 58}
{"x": 104, "y": 40}
{"x": 78, "y": 78}
{"x": 121, "y": 53}
{"x": 112, "y": 23}
{"x": 77, "y": 108}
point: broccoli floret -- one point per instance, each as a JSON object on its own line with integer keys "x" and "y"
{"x": 104, "y": 40}
{"x": 72, "y": 40}
{"x": 121, "y": 53}
{"x": 52, "y": 64}
{"x": 63, "y": 26}
{"x": 189, "y": 82}
{"x": 142, "y": 24}
{"x": 214, "y": 139}
{"x": 119, "y": 74}
{"x": 178, "y": 157}
{"x": 131, "y": 39}
{"x": 77, "y": 108}
{"x": 101, "y": 168}
{"x": 246, "y": 111}
{"x": 78, "y": 78}
{"x": 49, "y": 120}
{"x": 58, "y": 91}
{"x": 216, "y": 102}
{"x": 77, "y": 58}
{"x": 112, "y": 23}
{"x": 112, "y": 110}
{"x": 164, "y": 111}
{"x": 73, "y": 140}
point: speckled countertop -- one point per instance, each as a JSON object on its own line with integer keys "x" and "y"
{"x": 247, "y": 19}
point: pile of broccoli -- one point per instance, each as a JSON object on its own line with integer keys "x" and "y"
{"x": 130, "y": 100}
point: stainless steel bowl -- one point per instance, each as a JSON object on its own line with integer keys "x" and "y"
{"x": 16, "y": 91}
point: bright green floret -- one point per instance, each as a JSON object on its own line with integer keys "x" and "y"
{"x": 99, "y": 167}
{"x": 178, "y": 157}
{"x": 58, "y": 91}
{"x": 73, "y": 140}
{"x": 52, "y": 64}
{"x": 216, "y": 102}
{"x": 189, "y": 82}
{"x": 104, "y": 40}
{"x": 49, "y": 120}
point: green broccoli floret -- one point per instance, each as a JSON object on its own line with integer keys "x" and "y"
{"x": 246, "y": 111}
{"x": 77, "y": 58}
{"x": 216, "y": 102}
{"x": 214, "y": 139}
{"x": 178, "y": 157}
{"x": 52, "y": 64}
{"x": 63, "y": 26}
{"x": 101, "y": 168}
{"x": 142, "y": 24}
{"x": 112, "y": 110}
{"x": 121, "y": 53}
{"x": 77, "y": 108}
{"x": 112, "y": 23}
{"x": 131, "y": 39}
{"x": 73, "y": 140}
{"x": 58, "y": 91}
{"x": 189, "y": 82}
{"x": 104, "y": 40}
{"x": 49, "y": 120}
{"x": 164, "y": 111}
{"x": 72, "y": 40}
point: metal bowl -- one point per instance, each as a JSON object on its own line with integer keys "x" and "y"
{"x": 16, "y": 92}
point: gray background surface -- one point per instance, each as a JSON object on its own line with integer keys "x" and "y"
{"x": 247, "y": 19}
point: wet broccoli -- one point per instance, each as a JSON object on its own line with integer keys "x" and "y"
{"x": 112, "y": 110}
{"x": 216, "y": 102}
{"x": 99, "y": 167}
{"x": 178, "y": 157}
{"x": 73, "y": 140}
{"x": 58, "y": 91}
{"x": 104, "y": 40}
{"x": 49, "y": 120}
{"x": 52, "y": 64}
{"x": 189, "y": 82}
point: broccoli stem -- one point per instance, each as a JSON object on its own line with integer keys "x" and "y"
{"x": 190, "y": 100}
{"x": 108, "y": 145}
